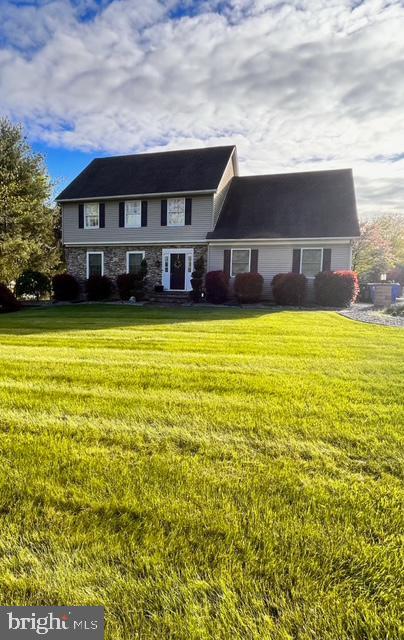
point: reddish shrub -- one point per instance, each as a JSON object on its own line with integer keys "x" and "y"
{"x": 65, "y": 287}
{"x": 248, "y": 287}
{"x": 336, "y": 288}
{"x": 98, "y": 288}
{"x": 289, "y": 289}
{"x": 217, "y": 286}
{"x": 8, "y": 301}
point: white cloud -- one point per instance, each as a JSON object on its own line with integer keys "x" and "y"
{"x": 297, "y": 85}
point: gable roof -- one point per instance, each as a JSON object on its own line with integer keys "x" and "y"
{"x": 147, "y": 173}
{"x": 309, "y": 204}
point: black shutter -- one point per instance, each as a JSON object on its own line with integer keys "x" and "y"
{"x": 254, "y": 261}
{"x": 296, "y": 261}
{"x": 102, "y": 214}
{"x": 81, "y": 216}
{"x": 226, "y": 261}
{"x": 121, "y": 214}
{"x": 326, "y": 260}
{"x": 188, "y": 210}
{"x": 164, "y": 213}
{"x": 144, "y": 213}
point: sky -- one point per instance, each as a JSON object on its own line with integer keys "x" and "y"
{"x": 297, "y": 85}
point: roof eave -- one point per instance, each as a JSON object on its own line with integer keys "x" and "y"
{"x": 136, "y": 195}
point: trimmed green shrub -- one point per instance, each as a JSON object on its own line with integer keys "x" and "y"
{"x": 336, "y": 288}
{"x": 8, "y": 301}
{"x": 289, "y": 289}
{"x": 32, "y": 283}
{"x": 217, "y": 286}
{"x": 98, "y": 288}
{"x": 132, "y": 284}
{"x": 197, "y": 279}
{"x": 65, "y": 287}
{"x": 248, "y": 287}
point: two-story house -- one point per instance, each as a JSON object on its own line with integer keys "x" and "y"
{"x": 171, "y": 207}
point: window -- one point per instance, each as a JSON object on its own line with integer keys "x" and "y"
{"x": 240, "y": 261}
{"x": 176, "y": 212}
{"x": 95, "y": 263}
{"x": 311, "y": 262}
{"x": 91, "y": 215}
{"x": 133, "y": 213}
{"x": 133, "y": 261}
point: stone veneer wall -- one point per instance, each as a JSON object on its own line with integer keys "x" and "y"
{"x": 115, "y": 259}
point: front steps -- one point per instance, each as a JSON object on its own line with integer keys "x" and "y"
{"x": 170, "y": 297}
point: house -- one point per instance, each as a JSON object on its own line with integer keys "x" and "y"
{"x": 172, "y": 207}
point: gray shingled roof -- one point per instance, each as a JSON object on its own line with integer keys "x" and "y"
{"x": 310, "y": 204}
{"x": 164, "y": 172}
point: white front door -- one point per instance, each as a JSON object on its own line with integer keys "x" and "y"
{"x": 177, "y": 267}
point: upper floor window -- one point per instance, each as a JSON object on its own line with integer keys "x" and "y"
{"x": 311, "y": 262}
{"x": 91, "y": 215}
{"x": 240, "y": 261}
{"x": 133, "y": 213}
{"x": 176, "y": 212}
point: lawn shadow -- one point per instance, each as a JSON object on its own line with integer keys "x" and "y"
{"x": 97, "y": 317}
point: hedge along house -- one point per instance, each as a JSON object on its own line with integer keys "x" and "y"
{"x": 171, "y": 207}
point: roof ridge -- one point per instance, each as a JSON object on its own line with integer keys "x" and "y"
{"x": 293, "y": 173}
{"x": 158, "y": 153}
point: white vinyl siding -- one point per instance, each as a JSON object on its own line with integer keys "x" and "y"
{"x": 202, "y": 212}
{"x": 95, "y": 263}
{"x": 91, "y": 215}
{"x": 273, "y": 259}
{"x": 223, "y": 188}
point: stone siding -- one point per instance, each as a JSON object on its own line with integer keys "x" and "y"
{"x": 115, "y": 260}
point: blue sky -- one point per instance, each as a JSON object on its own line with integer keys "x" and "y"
{"x": 296, "y": 84}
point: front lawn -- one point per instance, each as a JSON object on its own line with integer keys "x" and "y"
{"x": 204, "y": 474}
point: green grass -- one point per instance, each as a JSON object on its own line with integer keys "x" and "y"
{"x": 204, "y": 474}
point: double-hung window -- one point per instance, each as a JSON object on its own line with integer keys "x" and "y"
{"x": 240, "y": 261}
{"x": 133, "y": 261}
{"x": 91, "y": 215}
{"x": 133, "y": 214}
{"x": 95, "y": 263}
{"x": 176, "y": 212}
{"x": 311, "y": 262}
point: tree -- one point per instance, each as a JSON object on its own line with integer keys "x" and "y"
{"x": 32, "y": 283}
{"x": 197, "y": 279}
{"x": 29, "y": 226}
{"x": 380, "y": 247}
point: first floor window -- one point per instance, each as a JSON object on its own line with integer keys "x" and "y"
{"x": 91, "y": 215}
{"x": 311, "y": 262}
{"x": 176, "y": 212}
{"x": 133, "y": 213}
{"x": 95, "y": 264}
{"x": 240, "y": 261}
{"x": 134, "y": 260}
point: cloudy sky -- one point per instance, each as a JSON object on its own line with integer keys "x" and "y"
{"x": 296, "y": 84}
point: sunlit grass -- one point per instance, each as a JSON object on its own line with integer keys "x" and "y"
{"x": 204, "y": 474}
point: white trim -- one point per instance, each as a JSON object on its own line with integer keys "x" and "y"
{"x": 137, "y": 196}
{"x": 132, "y": 243}
{"x": 311, "y": 249}
{"x": 287, "y": 241}
{"x": 136, "y": 226}
{"x": 165, "y": 278}
{"x": 231, "y": 259}
{"x": 101, "y": 253}
{"x": 128, "y": 253}
{"x": 85, "y": 217}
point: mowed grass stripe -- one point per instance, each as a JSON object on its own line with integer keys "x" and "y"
{"x": 203, "y": 473}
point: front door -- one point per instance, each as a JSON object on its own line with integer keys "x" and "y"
{"x": 177, "y": 271}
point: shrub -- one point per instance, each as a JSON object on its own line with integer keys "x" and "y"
{"x": 132, "y": 284}
{"x": 65, "y": 287}
{"x": 248, "y": 287}
{"x": 98, "y": 288}
{"x": 396, "y": 275}
{"x": 395, "y": 310}
{"x": 8, "y": 301}
{"x": 336, "y": 288}
{"x": 32, "y": 283}
{"x": 289, "y": 289}
{"x": 197, "y": 279}
{"x": 217, "y": 286}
